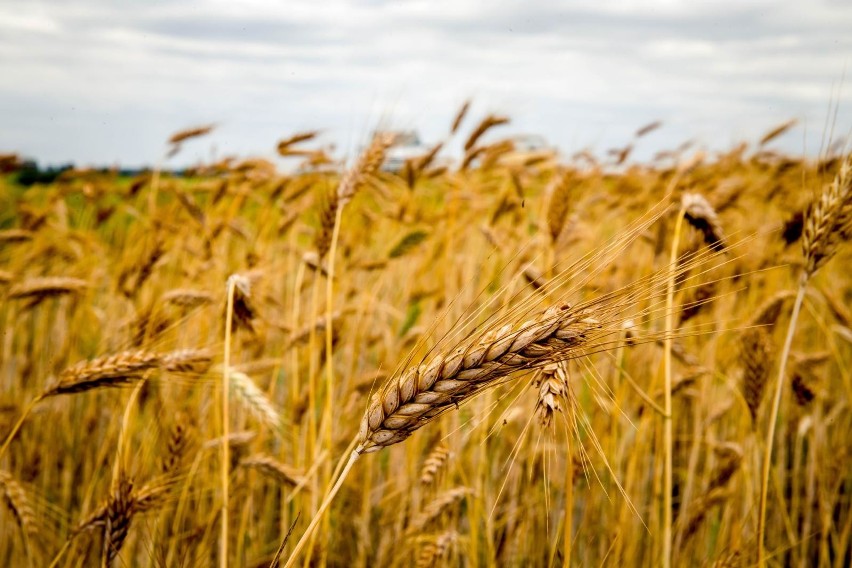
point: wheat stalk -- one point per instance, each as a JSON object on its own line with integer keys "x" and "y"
{"x": 828, "y": 222}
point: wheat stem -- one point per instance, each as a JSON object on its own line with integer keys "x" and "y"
{"x": 329, "y": 367}
{"x": 667, "y": 418}
{"x": 226, "y": 375}
{"x": 773, "y": 418}
{"x": 353, "y": 457}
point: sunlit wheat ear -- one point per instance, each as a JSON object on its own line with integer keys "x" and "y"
{"x": 422, "y": 393}
{"x": 178, "y": 138}
{"x": 36, "y": 290}
{"x": 368, "y": 165}
{"x": 187, "y": 298}
{"x": 432, "y": 553}
{"x": 700, "y": 214}
{"x": 449, "y": 377}
{"x": 730, "y": 456}
{"x": 119, "y": 514}
{"x": 484, "y": 126}
{"x": 353, "y": 180}
{"x": 285, "y": 146}
{"x": 460, "y": 114}
{"x": 435, "y": 508}
{"x": 270, "y": 467}
{"x": 768, "y": 312}
{"x": 559, "y": 204}
{"x": 828, "y": 221}
{"x": 777, "y": 131}
{"x": 129, "y": 499}
{"x": 553, "y": 392}
{"x": 755, "y": 354}
{"x": 177, "y": 443}
{"x": 107, "y": 371}
{"x": 15, "y": 235}
{"x": 18, "y": 503}
{"x": 254, "y": 399}
{"x": 244, "y": 311}
{"x": 188, "y": 361}
{"x": 433, "y": 464}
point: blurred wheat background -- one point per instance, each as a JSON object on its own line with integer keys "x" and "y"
{"x": 115, "y": 298}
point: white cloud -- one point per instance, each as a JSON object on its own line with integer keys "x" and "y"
{"x": 102, "y": 81}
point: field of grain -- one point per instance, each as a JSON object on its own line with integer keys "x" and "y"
{"x": 522, "y": 360}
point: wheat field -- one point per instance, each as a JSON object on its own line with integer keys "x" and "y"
{"x": 507, "y": 359}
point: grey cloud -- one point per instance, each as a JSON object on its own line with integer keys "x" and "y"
{"x": 112, "y": 80}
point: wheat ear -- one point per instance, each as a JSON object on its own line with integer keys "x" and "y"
{"x": 827, "y": 224}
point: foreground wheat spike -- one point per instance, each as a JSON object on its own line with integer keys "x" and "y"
{"x": 422, "y": 393}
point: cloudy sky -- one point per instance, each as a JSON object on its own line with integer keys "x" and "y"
{"x": 107, "y": 81}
